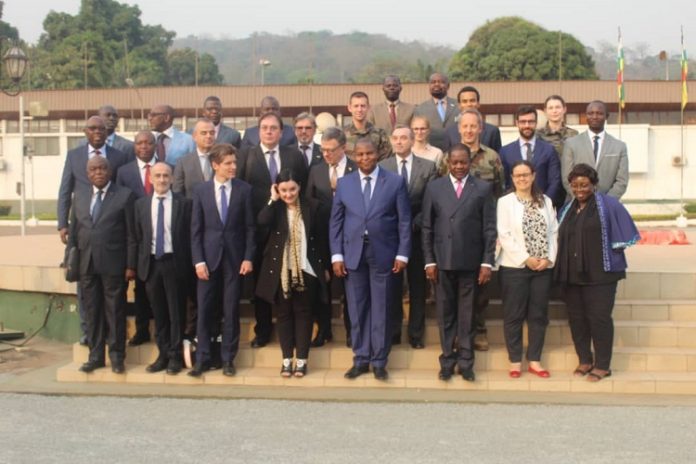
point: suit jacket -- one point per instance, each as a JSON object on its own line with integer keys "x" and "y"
{"x": 75, "y": 177}
{"x": 545, "y": 161}
{"x": 459, "y": 234}
{"x": 252, "y": 168}
{"x": 437, "y": 125}
{"x": 210, "y": 238}
{"x": 251, "y": 137}
{"x": 490, "y": 137}
{"x": 387, "y": 221}
{"x": 180, "y": 230}
{"x": 129, "y": 176}
{"x": 179, "y": 144}
{"x": 187, "y": 174}
{"x": 612, "y": 168}
{"x": 109, "y": 243}
{"x": 379, "y": 115}
{"x": 422, "y": 172}
{"x": 275, "y": 218}
{"x": 319, "y": 183}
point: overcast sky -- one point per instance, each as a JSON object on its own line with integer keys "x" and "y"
{"x": 656, "y": 23}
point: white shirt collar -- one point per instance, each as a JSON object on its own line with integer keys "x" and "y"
{"x": 265, "y": 149}
{"x": 106, "y": 187}
{"x": 454, "y": 180}
{"x": 141, "y": 163}
{"x": 373, "y": 175}
{"x": 201, "y": 154}
{"x": 228, "y": 184}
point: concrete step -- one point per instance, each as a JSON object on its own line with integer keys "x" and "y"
{"x": 677, "y": 383}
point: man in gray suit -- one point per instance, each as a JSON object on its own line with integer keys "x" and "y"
{"x": 440, "y": 110}
{"x": 417, "y": 173}
{"x": 608, "y": 155}
{"x": 212, "y": 110}
{"x": 387, "y": 114}
{"x": 194, "y": 168}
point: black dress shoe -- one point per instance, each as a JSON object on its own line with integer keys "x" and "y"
{"x": 83, "y": 340}
{"x": 199, "y": 368}
{"x": 321, "y": 339}
{"x": 159, "y": 365}
{"x": 468, "y": 374}
{"x": 90, "y": 366}
{"x": 118, "y": 367}
{"x": 356, "y": 371}
{"x": 445, "y": 373}
{"x": 396, "y": 339}
{"x": 258, "y": 342}
{"x": 228, "y": 369}
{"x": 174, "y": 366}
{"x": 417, "y": 344}
{"x": 380, "y": 373}
{"x": 139, "y": 338}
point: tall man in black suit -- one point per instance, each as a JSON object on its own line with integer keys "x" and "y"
{"x": 212, "y": 111}
{"x": 417, "y": 172}
{"x": 252, "y": 138}
{"x": 136, "y": 176}
{"x": 102, "y": 229}
{"x": 321, "y": 185}
{"x": 162, "y": 231}
{"x": 459, "y": 234}
{"x": 305, "y": 129}
{"x": 470, "y": 98}
{"x": 222, "y": 249}
{"x": 259, "y": 166}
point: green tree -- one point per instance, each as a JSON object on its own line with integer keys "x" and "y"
{"x": 182, "y": 68}
{"x": 512, "y": 48}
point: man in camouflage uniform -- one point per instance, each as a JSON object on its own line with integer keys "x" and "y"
{"x": 555, "y": 131}
{"x": 360, "y": 127}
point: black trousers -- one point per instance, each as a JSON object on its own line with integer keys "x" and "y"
{"x": 481, "y": 299}
{"x": 167, "y": 294}
{"x": 143, "y": 309}
{"x": 104, "y": 302}
{"x": 525, "y": 295}
{"x": 294, "y": 320}
{"x": 415, "y": 277}
{"x": 589, "y": 315}
{"x": 455, "y": 301}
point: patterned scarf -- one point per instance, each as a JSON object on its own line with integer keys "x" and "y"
{"x": 291, "y": 270}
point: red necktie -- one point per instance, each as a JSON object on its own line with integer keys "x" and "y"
{"x": 147, "y": 184}
{"x": 392, "y": 115}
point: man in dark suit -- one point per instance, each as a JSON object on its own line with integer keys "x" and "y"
{"x": 259, "y": 166}
{"x": 110, "y": 116}
{"x": 194, "y": 168}
{"x": 417, "y": 173}
{"x": 212, "y": 111}
{"x": 102, "y": 230}
{"x": 440, "y": 110}
{"x": 459, "y": 234}
{"x": 222, "y": 249}
{"x": 321, "y": 185}
{"x": 387, "y": 114}
{"x": 531, "y": 148}
{"x": 162, "y": 231}
{"x": 305, "y": 129}
{"x": 469, "y": 98}
{"x": 136, "y": 176}
{"x": 251, "y": 137}
{"x": 370, "y": 240}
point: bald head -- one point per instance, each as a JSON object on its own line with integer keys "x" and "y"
{"x": 270, "y": 104}
{"x": 160, "y": 117}
{"x": 161, "y": 178}
{"x": 98, "y": 171}
{"x": 110, "y": 116}
{"x": 95, "y": 131}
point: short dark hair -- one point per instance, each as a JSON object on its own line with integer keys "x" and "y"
{"x": 599, "y": 102}
{"x": 469, "y": 88}
{"x": 554, "y": 97}
{"x": 583, "y": 170}
{"x": 334, "y": 133}
{"x": 460, "y": 147}
{"x": 358, "y": 94}
{"x": 537, "y": 194}
{"x": 365, "y": 141}
{"x": 525, "y": 109}
{"x": 212, "y": 98}
{"x": 219, "y": 151}
{"x": 272, "y": 114}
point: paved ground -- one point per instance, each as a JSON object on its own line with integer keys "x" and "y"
{"x": 48, "y": 429}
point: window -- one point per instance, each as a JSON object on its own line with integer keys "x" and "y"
{"x": 74, "y": 142}
{"x": 42, "y": 146}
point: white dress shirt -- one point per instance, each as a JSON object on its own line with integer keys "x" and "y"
{"x": 267, "y": 157}
{"x": 523, "y": 146}
{"x": 218, "y": 196}
{"x": 409, "y": 165}
{"x": 600, "y": 142}
{"x": 91, "y": 151}
{"x": 206, "y": 167}
{"x": 95, "y": 190}
{"x": 168, "y": 248}
{"x": 142, "y": 170}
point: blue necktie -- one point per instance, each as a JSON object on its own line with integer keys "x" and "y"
{"x": 223, "y": 204}
{"x": 272, "y": 166}
{"x": 404, "y": 171}
{"x": 367, "y": 193}
{"x": 96, "y": 209}
{"x": 159, "y": 233}
{"x": 441, "y": 109}
{"x": 595, "y": 148}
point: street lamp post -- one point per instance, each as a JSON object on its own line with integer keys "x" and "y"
{"x": 263, "y": 63}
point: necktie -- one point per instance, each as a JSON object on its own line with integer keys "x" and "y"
{"x": 272, "y": 165}
{"x": 161, "y": 152}
{"x": 367, "y": 193}
{"x": 333, "y": 179}
{"x": 529, "y": 154}
{"x": 97, "y": 152}
{"x": 159, "y": 232}
{"x": 96, "y": 209}
{"x": 459, "y": 189}
{"x": 207, "y": 169}
{"x": 441, "y": 109}
{"x": 392, "y": 115}
{"x": 595, "y": 147}
{"x": 223, "y": 204}
{"x": 404, "y": 171}
{"x": 304, "y": 149}
{"x": 148, "y": 182}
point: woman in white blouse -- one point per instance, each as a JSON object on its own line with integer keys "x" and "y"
{"x": 527, "y": 230}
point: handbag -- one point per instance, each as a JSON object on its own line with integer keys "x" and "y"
{"x": 71, "y": 263}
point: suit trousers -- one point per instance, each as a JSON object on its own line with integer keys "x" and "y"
{"x": 455, "y": 302}
{"x": 415, "y": 277}
{"x": 104, "y": 301}
{"x": 167, "y": 295}
{"x": 481, "y": 299}
{"x": 224, "y": 280}
{"x": 525, "y": 294}
{"x": 294, "y": 320}
{"x": 369, "y": 291}
{"x": 143, "y": 310}
{"x": 589, "y": 316}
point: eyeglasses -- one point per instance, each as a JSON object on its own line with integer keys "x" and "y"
{"x": 154, "y": 115}
{"x": 522, "y": 176}
{"x": 303, "y": 128}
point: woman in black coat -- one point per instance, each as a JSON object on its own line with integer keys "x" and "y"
{"x": 294, "y": 266}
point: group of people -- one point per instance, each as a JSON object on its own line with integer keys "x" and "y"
{"x": 422, "y": 192}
